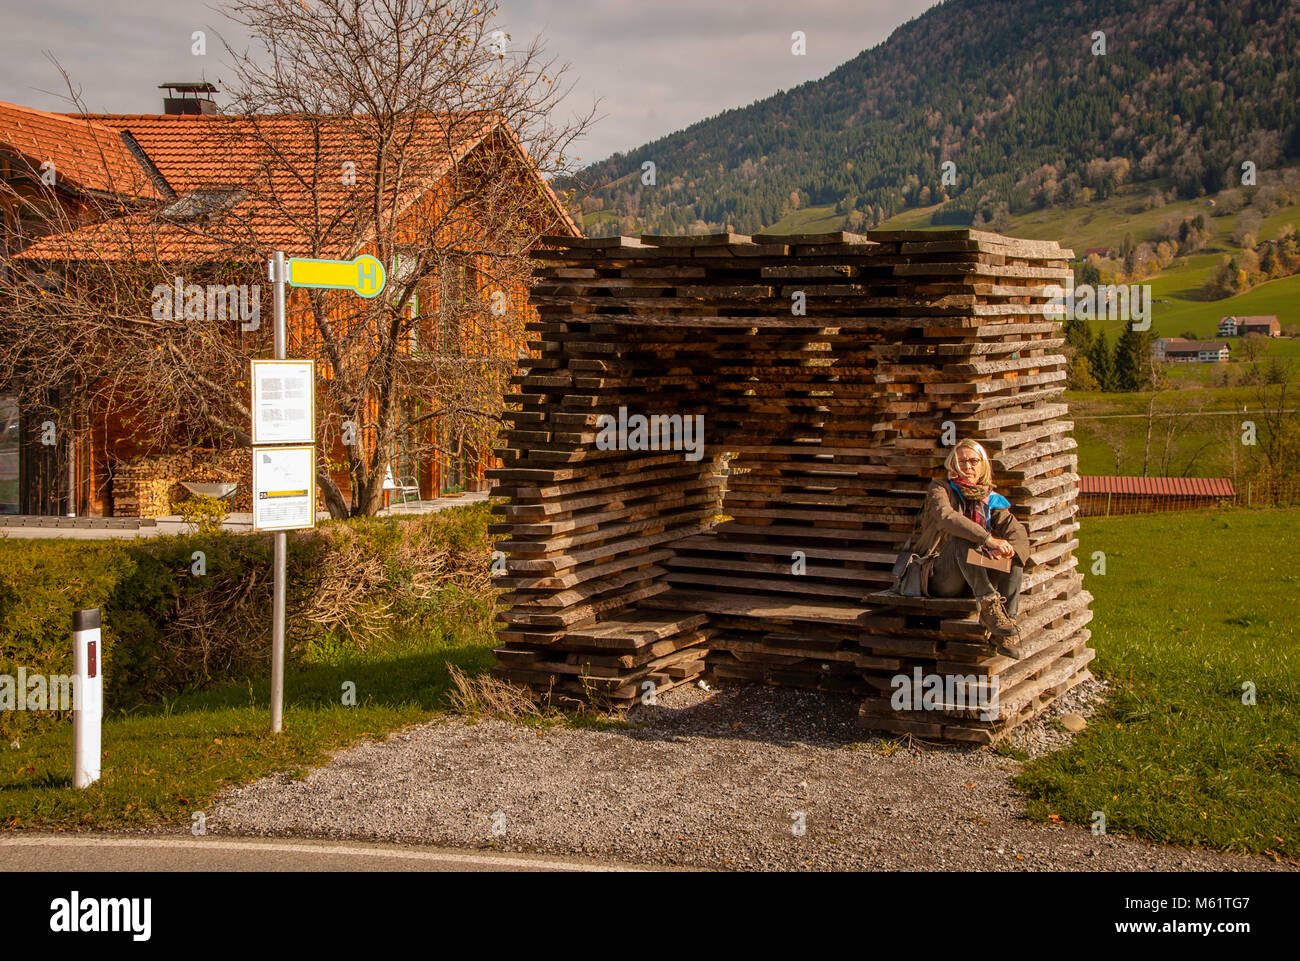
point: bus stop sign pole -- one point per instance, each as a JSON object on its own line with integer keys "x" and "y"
{"x": 365, "y": 276}
{"x": 281, "y": 538}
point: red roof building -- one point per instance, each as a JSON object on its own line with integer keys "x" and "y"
{"x": 81, "y": 153}
{"x": 1266, "y": 325}
{"x": 1180, "y": 350}
{"x": 1102, "y": 495}
{"x": 162, "y": 171}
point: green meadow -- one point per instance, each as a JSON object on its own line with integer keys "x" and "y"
{"x": 1198, "y": 742}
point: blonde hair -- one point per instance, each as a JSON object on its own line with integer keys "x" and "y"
{"x": 986, "y": 467}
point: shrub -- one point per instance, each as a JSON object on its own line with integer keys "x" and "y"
{"x": 167, "y": 630}
{"x": 204, "y": 514}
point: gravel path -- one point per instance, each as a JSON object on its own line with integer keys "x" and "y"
{"x": 713, "y": 780}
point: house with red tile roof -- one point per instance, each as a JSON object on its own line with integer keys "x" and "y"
{"x": 1179, "y": 350}
{"x": 1243, "y": 326}
{"x": 188, "y": 190}
{"x": 83, "y": 155}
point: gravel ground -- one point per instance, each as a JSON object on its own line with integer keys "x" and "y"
{"x": 712, "y": 780}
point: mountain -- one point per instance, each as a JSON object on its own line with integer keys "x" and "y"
{"x": 1009, "y": 91}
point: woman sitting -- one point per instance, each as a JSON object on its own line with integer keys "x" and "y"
{"x": 961, "y": 513}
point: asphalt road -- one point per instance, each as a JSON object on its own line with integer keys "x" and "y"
{"x": 100, "y": 852}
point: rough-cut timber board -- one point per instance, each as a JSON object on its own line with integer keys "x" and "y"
{"x": 641, "y": 566}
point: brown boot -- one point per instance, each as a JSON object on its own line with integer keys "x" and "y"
{"x": 1004, "y": 635}
{"x": 993, "y": 618}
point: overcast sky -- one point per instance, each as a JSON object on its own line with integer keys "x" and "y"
{"x": 656, "y": 65}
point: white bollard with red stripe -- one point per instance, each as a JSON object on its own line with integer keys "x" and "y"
{"x": 87, "y": 697}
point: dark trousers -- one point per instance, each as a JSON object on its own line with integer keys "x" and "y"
{"x": 954, "y": 576}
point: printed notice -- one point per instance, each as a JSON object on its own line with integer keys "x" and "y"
{"x": 284, "y": 488}
{"x": 284, "y": 402}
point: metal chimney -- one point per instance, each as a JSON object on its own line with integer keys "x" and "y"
{"x": 189, "y": 98}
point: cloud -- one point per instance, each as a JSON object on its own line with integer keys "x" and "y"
{"x": 116, "y": 53}
{"x": 656, "y": 66}
{"x": 659, "y": 67}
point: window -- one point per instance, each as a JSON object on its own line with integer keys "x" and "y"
{"x": 10, "y": 451}
{"x": 399, "y": 275}
{"x": 203, "y": 202}
{"x": 459, "y": 289}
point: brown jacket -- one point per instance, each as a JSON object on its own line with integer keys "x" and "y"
{"x": 941, "y": 518}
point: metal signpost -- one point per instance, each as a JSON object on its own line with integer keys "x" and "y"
{"x": 284, "y": 430}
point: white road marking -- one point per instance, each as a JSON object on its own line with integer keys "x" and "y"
{"x": 341, "y": 849}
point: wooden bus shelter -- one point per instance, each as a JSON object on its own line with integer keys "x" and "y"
{"x": 831, "y": 372}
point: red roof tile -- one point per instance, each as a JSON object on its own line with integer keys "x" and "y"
{"x": 87, "y": 154}
{"x": 292, "y": 169}
{"x": 1159, "y": 486}
{"x": 1178, "y": 345}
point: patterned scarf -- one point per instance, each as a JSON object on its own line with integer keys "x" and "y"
{"x": 974, "y": 500}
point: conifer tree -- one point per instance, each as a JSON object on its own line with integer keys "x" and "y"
{"x": 1100, "y": 360}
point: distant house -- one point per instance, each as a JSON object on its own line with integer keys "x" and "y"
{"x": 1099, "y": 251}
{"x": 1258, "y": 324}
{"x": 1179, "y": 350}
{"x": 1266, "y": 324}
{"x": 1142, "y": 495}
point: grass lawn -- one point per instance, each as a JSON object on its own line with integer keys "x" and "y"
{"x": 1175, "y": 755}
{"x": 167, "y": 761}
{"x": 1201, "y": 442}
{"x": 810, "y": 220}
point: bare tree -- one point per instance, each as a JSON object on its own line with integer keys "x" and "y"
{"x": 1252, "y": 345}
{"x": 1276, "y": 441}
{"x": 1159, "y": 384}
{"x": 1175, "y": 426}
{"x": 1112, "y": 434}
{"x": 1228, "y": 433}
{"x": 398, "y": 128}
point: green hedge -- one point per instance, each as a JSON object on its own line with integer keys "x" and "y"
{"x": 166, "y": 630}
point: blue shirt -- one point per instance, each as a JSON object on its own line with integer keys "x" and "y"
{"x": 994, "y": 501}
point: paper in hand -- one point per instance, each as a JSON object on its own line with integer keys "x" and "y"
{"x": 975, "y": 556}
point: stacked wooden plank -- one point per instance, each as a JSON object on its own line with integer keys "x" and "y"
{"x": 831, "y": 371}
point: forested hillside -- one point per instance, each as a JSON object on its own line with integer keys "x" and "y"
{"x": 1012, "y": 93}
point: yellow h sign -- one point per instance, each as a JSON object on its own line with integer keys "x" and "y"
{"x": 364, "y": 275}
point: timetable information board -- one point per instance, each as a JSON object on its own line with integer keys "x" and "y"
{"x": 284, "y": 488}
{"x": 284, "y": 401}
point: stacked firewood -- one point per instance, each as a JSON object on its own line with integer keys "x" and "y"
{"x": 151, "y": 486}
{"x": 142, "y": 486}
{"x": 832, "y": 373}
{"x": 234, "y": 466}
